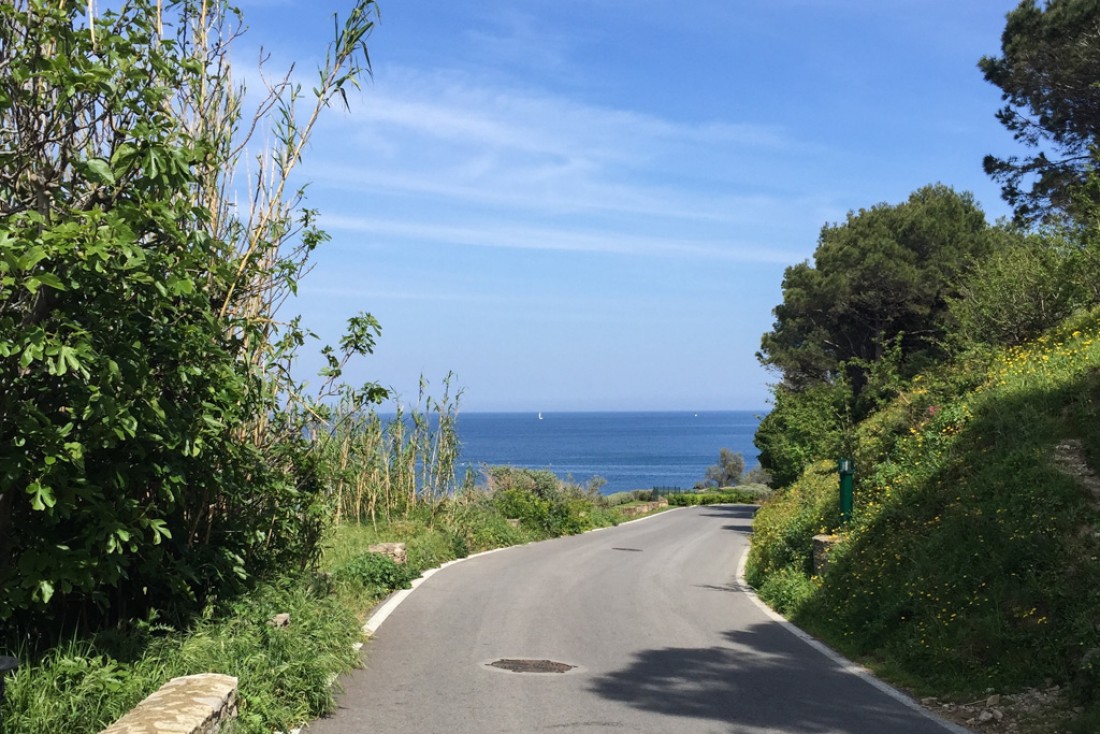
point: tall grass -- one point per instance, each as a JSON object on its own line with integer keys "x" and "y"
{"x": 285, "y": 674}
{"x": 385, "y": 467}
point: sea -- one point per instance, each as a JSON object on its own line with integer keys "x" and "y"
{"x": 630, "y": 450}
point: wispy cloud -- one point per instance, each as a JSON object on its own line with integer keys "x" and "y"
{"x": 502, "y": 235}
{"x": 487, "y": 165}
{"x": 450, "y": 106}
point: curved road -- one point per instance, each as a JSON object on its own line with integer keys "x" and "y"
{"x": 650, "y": 613}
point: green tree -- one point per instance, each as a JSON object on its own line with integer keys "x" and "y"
{"x": 151, "y": 450}
{"x": 881, "y": 277}
{"x": 1047, "y": 73}
{"x": 727, "y": 472}
{"x": 802, "y": 427}
{"x": 1030, "y": 284}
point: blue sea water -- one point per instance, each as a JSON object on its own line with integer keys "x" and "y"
{"x": 629, "y": 450}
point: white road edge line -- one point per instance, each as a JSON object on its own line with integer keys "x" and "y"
{"x": 844, "y": 663}
{"x": 395, "y": 599}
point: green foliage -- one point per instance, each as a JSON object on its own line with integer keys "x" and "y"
{"x": 743, "y": 494}
{"x": 727, "y": 472}
{"x": 972, "y": 558}
{"x": 480, "y": 524}
{"x": 541, "y": 501}
{"x": 787, "y": 590}
{"x": 802, "y": 427}
{"x": 376, "y": 571}
{"x": 1047, "y": 75}
{"x": 284, "y": 673}
{"x": 153, "y": 453}
{"x": 1028, "y": 285}
{"x": 620, "y": 498}
{"x": 882, "y": 275}
{"x": 784, "y": 528}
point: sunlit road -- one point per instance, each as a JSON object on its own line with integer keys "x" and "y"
{"x": 650, "y": 613}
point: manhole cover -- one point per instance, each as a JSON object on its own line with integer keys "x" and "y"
{"x": 532, "y": 666}
{"x": 632, "y": 550}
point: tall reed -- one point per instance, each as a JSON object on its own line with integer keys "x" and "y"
{"x": 387, "y": 466}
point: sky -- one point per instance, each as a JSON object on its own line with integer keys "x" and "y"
{"x": 590, "y": 204}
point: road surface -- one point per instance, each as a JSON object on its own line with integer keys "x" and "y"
{"x": 662, "y": 637}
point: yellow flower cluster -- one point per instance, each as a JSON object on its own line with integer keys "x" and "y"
{"x": 1045, "y": 362}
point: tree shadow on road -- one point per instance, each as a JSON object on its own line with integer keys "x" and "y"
{"x": 763, "y": 678}
{"x": 742, "y": 514}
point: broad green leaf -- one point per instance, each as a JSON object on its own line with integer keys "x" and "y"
{"x": 100, "y": 171}
{"x": 41, "y": 496}
{"x": 45, "y": 591}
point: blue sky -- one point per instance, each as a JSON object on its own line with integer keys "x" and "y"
{"x": 589, "y": 204}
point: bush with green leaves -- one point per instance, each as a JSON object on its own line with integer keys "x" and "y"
{"x": 542, "y": 501}
{"x": 480, "y": 524}
{"x": 746, "y": 494}
{"x": 803, "y": 426}
{"x": 151, "y": 452}
{"x": 376, "y": 571}
{"x": 784, "y": 528}
{"x": 1026, "y": 286}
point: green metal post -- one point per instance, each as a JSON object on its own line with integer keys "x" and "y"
{"x": 847, "y": 469}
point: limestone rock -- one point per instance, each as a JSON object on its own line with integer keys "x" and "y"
{"x": 396, "y": 551}
{"x": 193, "y": 704}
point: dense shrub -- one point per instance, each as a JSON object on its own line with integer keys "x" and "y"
{"x": 149, "y": 454}
{"x": 376, "y": 571}
{"x": 744, "y": 494}
{"x": 784, "y": 527}
{"x": 541, "y": 501}
{"x": 787, "y": 590}
{"x": 1026, "y": 286}
{"x": 802, "y": 427}
{"x": 619, "y": 498}
{"x": 481, "y": 524}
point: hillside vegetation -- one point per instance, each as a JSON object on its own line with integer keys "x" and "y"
{"x": 972, "y": 559}
{"x": 958, "y": 364}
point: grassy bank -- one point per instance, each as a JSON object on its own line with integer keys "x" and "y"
{"x": 972, "y": 562}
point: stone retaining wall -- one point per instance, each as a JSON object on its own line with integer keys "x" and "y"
{"x": 193, "y": 704}
{"x": 643, "y": 509}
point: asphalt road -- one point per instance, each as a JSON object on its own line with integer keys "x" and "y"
{"x": 662, "y": 636}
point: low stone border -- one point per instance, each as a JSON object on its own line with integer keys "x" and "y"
{"x": 644, "y": 508}
{"x": 193, "y": 704}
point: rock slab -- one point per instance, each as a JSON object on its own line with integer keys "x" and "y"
{"x": 193, "y": 704}
{"x": 396, "y": 551}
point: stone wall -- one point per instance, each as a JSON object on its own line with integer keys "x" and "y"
{"x": 194, "y": 704}
{"x": 643, "y": 509}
